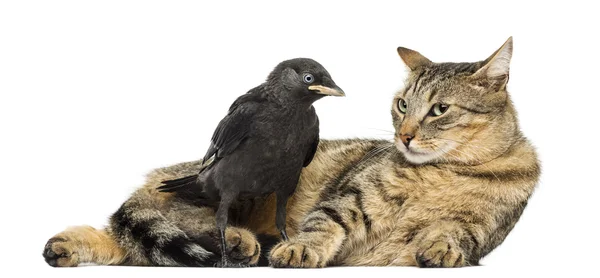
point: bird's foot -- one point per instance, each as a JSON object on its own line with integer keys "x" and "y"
{"x": 224, "y": 262}
{"x": 284, "y": 235}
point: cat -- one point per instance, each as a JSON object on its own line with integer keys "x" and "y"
{"x": 444, "y": 193}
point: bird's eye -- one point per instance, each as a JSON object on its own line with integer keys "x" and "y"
{"x": 438, "y": 109}
{"x": 402, "y": 106}
{"x": 308, "y": 78}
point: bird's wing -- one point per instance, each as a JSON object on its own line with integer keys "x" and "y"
{"x": 234, "y": 128}
{"x": 230, "y": 132}
{"x": 313, "y": 146}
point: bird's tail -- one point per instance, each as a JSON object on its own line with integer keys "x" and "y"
{"x": 176, "y": 184}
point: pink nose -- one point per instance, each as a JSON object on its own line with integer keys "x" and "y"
{"x": 406, "y": 138}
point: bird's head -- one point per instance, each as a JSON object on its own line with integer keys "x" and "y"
{"x": 303, "y": 79}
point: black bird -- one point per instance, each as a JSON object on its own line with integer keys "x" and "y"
{"x": 261, "y": 146}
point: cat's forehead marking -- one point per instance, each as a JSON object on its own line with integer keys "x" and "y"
{"x": 414, "y": 86}
{"x": 432, "y": 94}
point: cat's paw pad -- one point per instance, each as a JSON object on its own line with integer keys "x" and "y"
{"x": 439, "y": 254}
{"x": 59, "y": 252}
{"x": 290, "y": 254}
{"x": 242, "y": 246}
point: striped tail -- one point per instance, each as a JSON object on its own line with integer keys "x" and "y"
{"x": 146, "y": 233}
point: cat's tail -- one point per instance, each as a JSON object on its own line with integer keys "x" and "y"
{"x": 151, "y": 239}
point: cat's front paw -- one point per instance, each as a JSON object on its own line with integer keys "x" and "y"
{"x": 294, "y": 254}
{"x": 439, "y": 254}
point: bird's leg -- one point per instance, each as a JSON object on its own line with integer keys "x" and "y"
{"x": 224, "y": 260}
{"x": 221, "y": 217}
{"x": 280, "y": 214}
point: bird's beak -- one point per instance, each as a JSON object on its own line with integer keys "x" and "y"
{"x": 328, "y": 91}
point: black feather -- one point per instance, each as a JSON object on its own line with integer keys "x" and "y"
{"x": 313, "y": 148}
{"x": 173, "y": 185}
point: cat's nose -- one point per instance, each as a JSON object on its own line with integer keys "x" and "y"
{"x": 406, "y": 138}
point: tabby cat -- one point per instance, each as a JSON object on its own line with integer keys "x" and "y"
{"x": 444, "y": 193}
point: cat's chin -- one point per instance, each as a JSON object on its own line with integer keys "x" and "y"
{"x": 418, "y": 157}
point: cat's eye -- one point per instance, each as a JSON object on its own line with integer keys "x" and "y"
{"x": 308, "y": 78}
{"x": 438, "y": 109}
{"x": 402, "y": 106}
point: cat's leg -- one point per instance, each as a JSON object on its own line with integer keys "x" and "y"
{"x": 321, "y": 234}
{"x": 83, "y": 244}
{"x": 440, "y": 244}
{"x": 317, "y": 243}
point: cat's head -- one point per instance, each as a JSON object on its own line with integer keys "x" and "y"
{"x": 454, "y": 112}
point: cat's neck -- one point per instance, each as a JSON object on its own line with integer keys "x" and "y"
{"x": 491, "y": 141}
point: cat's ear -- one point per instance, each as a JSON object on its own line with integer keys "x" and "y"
{"x": 495, "y": 69}
{"x": 413, "y": 59}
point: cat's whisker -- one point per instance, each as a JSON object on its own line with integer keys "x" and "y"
{"x": 437, "y": 152}
{"x": 373, "y": 153}
{"x": 447, "y": 139}
{"x": 383, "y": 130}
{"x": 441, "y": 154}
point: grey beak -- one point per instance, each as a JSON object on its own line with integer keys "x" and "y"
{"x": 328, "y": 91}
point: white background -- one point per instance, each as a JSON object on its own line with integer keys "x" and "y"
{"x": 94, "y": 94}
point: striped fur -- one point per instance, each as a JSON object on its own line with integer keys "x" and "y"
{"x": 360, "y": 202}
